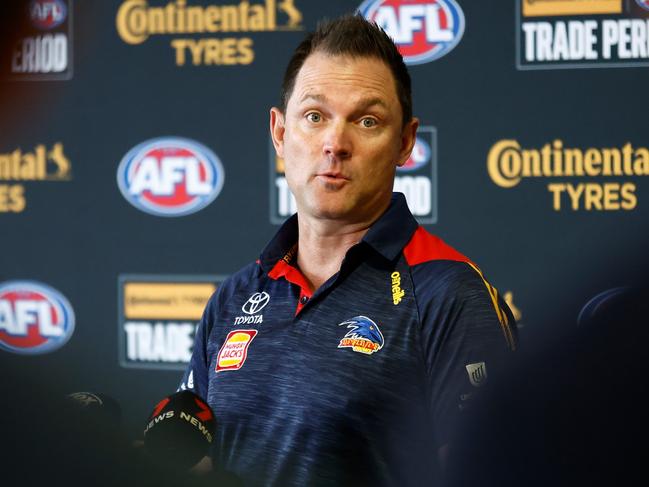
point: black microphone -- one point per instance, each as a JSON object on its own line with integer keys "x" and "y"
{"x": 179, "y": 431}
{"x": 96, "y": 407}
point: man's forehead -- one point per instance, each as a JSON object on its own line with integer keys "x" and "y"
{"x": 344, "y": 61}
{"x": 322, "y": 71}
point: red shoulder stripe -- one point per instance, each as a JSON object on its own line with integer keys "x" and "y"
{"x": 424, "y": 247}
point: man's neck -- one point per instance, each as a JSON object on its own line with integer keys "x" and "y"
{"x": 322, "y": 247}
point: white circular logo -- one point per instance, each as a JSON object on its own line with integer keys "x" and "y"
{"x": 423, "y": 30}
{"x": 170, "y": 176}
{"x": 34, "y": 318}
{"x": 256, "y": 303}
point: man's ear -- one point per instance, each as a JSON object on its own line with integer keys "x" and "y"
{"x": 277, "y": 130}
{"x": 408, "y": 138}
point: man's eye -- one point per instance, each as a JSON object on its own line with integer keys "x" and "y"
{"x": 313, "y": 117}
{"x": 368, "y": 122}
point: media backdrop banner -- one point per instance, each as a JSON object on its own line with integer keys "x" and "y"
{"x": 136, "y": 170}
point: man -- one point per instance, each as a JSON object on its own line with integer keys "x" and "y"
{"x": 345, "y": 353}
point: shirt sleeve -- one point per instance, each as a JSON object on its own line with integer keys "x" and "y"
{"x": 468, "y": 334}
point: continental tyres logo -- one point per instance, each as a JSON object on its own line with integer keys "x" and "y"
{"x": 581, "y": 33}
{"x": 158, "y": 316}
{"x": 21, "y": 167}
{"x": 226, "y": 27}
{"x": 590, "y": 179}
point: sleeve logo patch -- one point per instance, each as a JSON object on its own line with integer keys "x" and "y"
{"x": 364, "y": 335}
{"x": 477, "y": 373}
{"x": 234, "y": 351}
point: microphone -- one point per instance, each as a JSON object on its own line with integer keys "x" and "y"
{"x": 179, "y": 431}
{"x": 97, "y": 407}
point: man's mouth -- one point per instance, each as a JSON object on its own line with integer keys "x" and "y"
{"x": 333, "y": 176}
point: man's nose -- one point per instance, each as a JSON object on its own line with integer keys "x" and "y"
{"x": 337, "y": 141}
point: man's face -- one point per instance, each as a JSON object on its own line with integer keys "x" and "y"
{"x": 342, "y": 138}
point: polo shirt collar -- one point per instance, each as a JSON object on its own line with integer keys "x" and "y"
{"x": 282, "y": 246}
{"x": 388, "y": 235}
{"x": 393, "y": 230}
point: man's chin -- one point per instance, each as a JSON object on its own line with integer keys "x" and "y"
{"x": 339, "y": 207}
{"x": 328, "y": 208}
{"x": 343, "y": 212}
{"x": 331, "y": 213}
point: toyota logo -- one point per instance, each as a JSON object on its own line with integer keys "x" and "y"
{"x": 255, "y": 303}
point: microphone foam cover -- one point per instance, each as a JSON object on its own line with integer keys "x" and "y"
{"x": 96, "y": 406}
{"x": 179, "y": 431}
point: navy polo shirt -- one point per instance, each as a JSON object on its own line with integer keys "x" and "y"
{"x": 358, "y": 383}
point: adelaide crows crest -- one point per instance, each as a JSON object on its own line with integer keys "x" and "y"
{"x": 364, "y": 335}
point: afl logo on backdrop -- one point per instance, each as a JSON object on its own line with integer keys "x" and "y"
{"x": 170, "y": 176}
{"x": 419, "y": 157}
{"x": 47, "y": 14}
{"x": 423, "y": 30}
{"x": 34, "y": 318}
{"x": 643, "y": 3}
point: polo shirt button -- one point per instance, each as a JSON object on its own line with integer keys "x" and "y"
{"x": 304, "y": 299}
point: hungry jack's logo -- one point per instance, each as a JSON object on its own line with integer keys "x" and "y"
{"x": 234, "y": 351}
{"x": 364, "y": 335}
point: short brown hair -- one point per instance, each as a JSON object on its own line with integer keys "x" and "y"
{"x": 351, "y": 35}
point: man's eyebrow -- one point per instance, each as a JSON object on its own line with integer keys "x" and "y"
{"x": 313, "y": 96}
{"x": 363, "y": 103}
{"x": 369, "y": 102}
